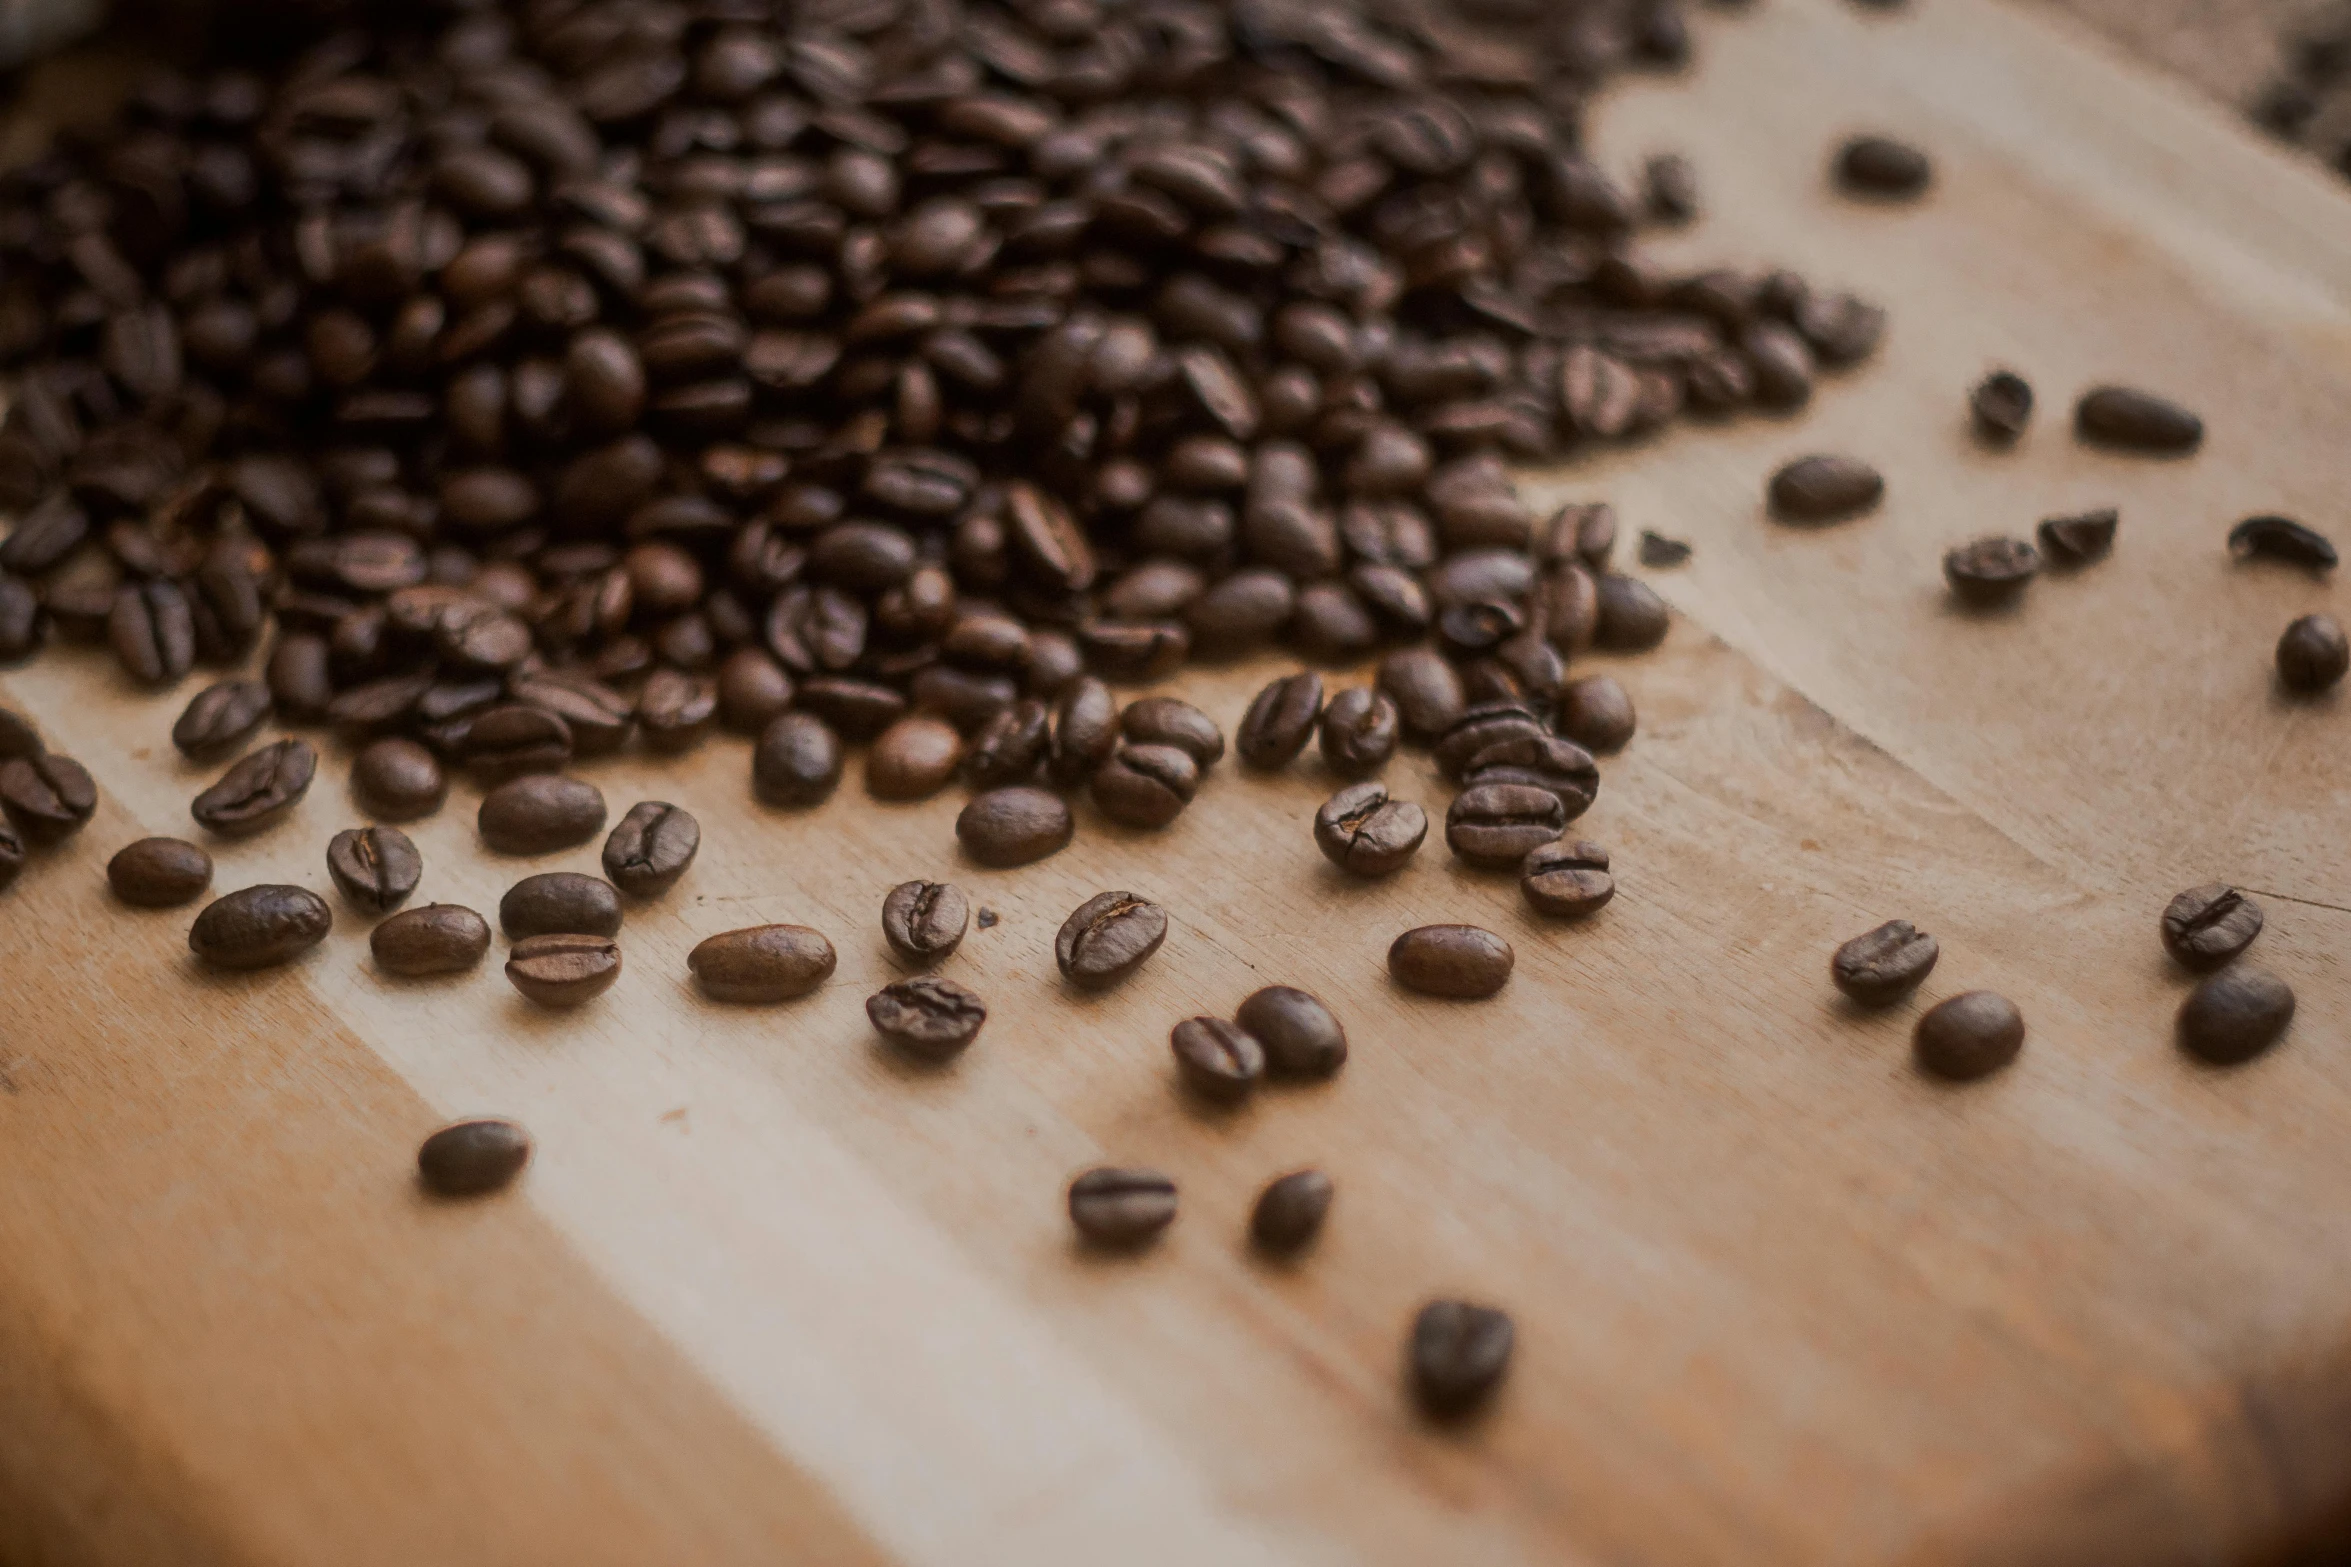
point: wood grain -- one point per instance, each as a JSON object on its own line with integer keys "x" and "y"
{"x": 1782, "y": 1298}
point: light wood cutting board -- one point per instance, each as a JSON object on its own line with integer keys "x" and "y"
{"x": 766, "y": 1296}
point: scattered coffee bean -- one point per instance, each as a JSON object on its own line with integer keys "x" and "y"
{"x": 398, "y": 780}
{"x": 1108, "y": 937}
{"x": 2134, "y": 421}
{"x": 559, "y": 903}
{"x": 913, "y": 759}
{"x": 18, "y": 737}
{"x": 1879, "y": 967}
{"x": 1016, "y": 826}
{"x": 1145, "y": 785}
{"x": 48, "y": 798}
{"x": 676, "y": 711}
{"x": 1459, "y": 962}
{"x": 220, "y": 718}
{"x": 375, "y": 868}
{"x": 1083, "y": 732}
{"x": 2078, "y": 540}
{"x": 1596, "y": 713}
{"x": 651, "y": 848}
{"x": 259, "y": 790}
{"x": 1568, "y": 879}
{"x": 797, "y": 761}
{"x": 1882, "y": 166}
{"x": 1990, "y": 571}
{"x": 924, "y": 921}
{"x": 159, "y": 873}
{"x": 1633, "y": 618}
{"x": 260, "y": 927}
{"x": 2312, "y": 655}
{"x": 2003, "y": 406}
{"x": 563, "y": 970}
{"x": 1300, "y": 1036}
{"x": 765, "y": 963}
{"x": 1662, "y": 553}
{"x": 1427, "y": 692}
{"x": 927, "y": 1016}
{"x": 1359, "y": 732}
{"x": 440, "y": 938}
{"x": 1280, "y": 721}
{"x": 1360, "y": 829}
{"x": 1121, "y": 1208}
{"x": 472, "y": 1158}
{"x": 2282, "y": 539}
{"x": 1970, "y": 1035}
{"x": 1460, "y": 1354}
{"x": 1166, "y": 721}
{"x": 540, "y": 814}
{"x": 1290, "y": 1211}
{"x": 2206, "y": 926}
{"x": 1494, "y": 826}
{"x": 2235, "y": 1015}
{"x": 1219, "y": 1060}
{"x": 1813, "y": 490}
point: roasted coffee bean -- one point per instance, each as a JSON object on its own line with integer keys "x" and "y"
{"x": 1566, "y": 879}
{"x": 1300, "y": 1036}
{"x": 924, "y": 921}
{"x": 753, "y": 690}
{"x": 1425, "y": 689}
{"x": 1360, "y": 829}
{"x": 472, "y": 1158}
{"x": 1358, "y": 732}
{"x": 563, "y": 970}
{"x": 1011, "y": 747}
{"x": 1990, "y": 571}
{"x": 1084, "y": 732}
{"x": 2282, "y": 539}
{"x": 1815, "y": 490}
{"x": 1561, "y": 767}
{"x": 1121, "y": 1208}
{"x": 440, "y": 938}
{"x": 1596, "y": 713}
{"x": 2206, "y": 926}
{"x": 516, "y": 739}
{"x": 159, "y": 873}
{"x": 765, "y": 963}
{"x": 398, "y": 780}
{"x": 18, "y": 737}
{"x": 1882, "y": 166}
{"x": 1460, "y": 1353}
{"x": 928, "y": 1017}
{"x": 2235, "y": 1015}
{"x": 651, "y": 848}
{"x": 597, "y": 716}
{"x": 1460, "y": 962}
{"x": 1494, "y": 826}
{"x": 1970, "y": 1035}
{"x": 675, "y": 710}
{"x": 1168, "y": 721}
{"x": 2312, "y": 655}
{"x": 1014, "y": 826}
{"x": 1217, "y": 1059}
{"x": 2134, "y": 421}
{"x": 220, "y": 718}
{"x": 1633, "y": 618}
{"x": 260, "y": 927}
{"x": 1108, "y": 937}
{"x": 375, "y": 868}
{"x": 797, "y": 762}
{"x": 1145, "y": 785}
{"x": 559, "y": 903}
{"x": 540, "y": 814}
{"x": 2002, "y": 405}
{"x": 913, "y": 759}
{"x": 1879, "y": 967}
{"x": 2078, "y": 540}
{"x": 152, "y": 631}
{"x": 259, "y": 790}
{"x": 1280, "y": 720}
{"x": 298, "y": 678}
{"x": 1479, "y": 727}
{"x": 48, "y": 798}
{"x": 1290, "y": 1212}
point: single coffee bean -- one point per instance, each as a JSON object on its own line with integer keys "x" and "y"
{"x": 159, "y": 873}
{"x": 540, "y": 814}
{"x": 1460, "y": 1354}
{"x": 259, "y": 790}
{"x": 2235, "y": 1015}
{"x": 1084, "y": 732}
{"x": 1280, "y": 721}
{"x": 1425, "y": 689}
{"x": 1118, "y": 1208}
{"x": 1290, "y": 1211}
{"x": 152, "y": 631}
{"x": 1567, "y": 879}
{"x": 1359, "y": 732}
{"x": 1165, "y": 720}
{"x": 1218, "y": 1060}
{"x": 764, "y": 963}
{"x": 1990, "y": 571}
{"x": 1108, "y": 937}
{"x": 913, "y": 759}
{"x": 260, "y": 927}
{"x": 1813, "y": 490}
{"x": 1145, "y": 785}
{"x": 1633, "y": 618}
{"x": 1561, "y": 767}
{"x": 1300, "y": 1036}
{"x": 398, "y": 780}
{"x": 651, "y": 848}
{"x": 375, "y": 868}
{"x": 927, "y": 1016}
{"x": 2002, "y": 405}
{"x": 1360, "y": 829}
{"x": 1596, "y": 713}
{"x": 797, "y": 761}
{"x": 1494, "y": 826}
{"x": 48, "y": 798}
{"x": 2282, "y": 539}
{"x": 1460, "y": 962}
{"x": 220, "y": 718}
{"x": 2134, "y": 421}
{"x": 2078, "y": 540}
{"x": 440, "y": 938}
{"x": 1970, "y": 1035}
{"x": 2312, "y": 655}
{"x": 1008, "y": 827}
{"x": 563, "y": 970}
{"x": 559, "y": 903}
{"x": 515, "y": 739}
{"x": 2206, "y": 926}
{"x": 472, "y": 1158}
{"x": 676, "y": 711}
{"x": 924, "y": 921}
{"x": 1010, "y": 748}
{"x": 1882, "y": 166}
{"x": 18, "y": 737}
{"x": 1879, "y": 967}
{"x": 753, "y": 690}
{"x": 1480, "y": 727}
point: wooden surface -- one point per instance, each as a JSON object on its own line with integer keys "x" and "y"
{"x": 766, "y": 1295}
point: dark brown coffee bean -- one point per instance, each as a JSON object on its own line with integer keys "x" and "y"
{"x": 2235, "y": 1015}
{"x": 1479, "y": 727}
{"x": 763, "y": 964}
{"x": 1014, "y": 826}
{"x": 797, "y": 761}
{"x": 152, "y": 631}
{"x": 1145, "y": 785}
{"x": 48, "y": 798}
{"x": 753, "y": 690}
{"x": 515, "y": 739}
{"x": 398, "y": 780}
{"x": 260, "y": 927}
{"x": 1290, "y": 1212}
{"x": 1217, "y": 1059}
{"x": 1010, "y": 748}
{"x": 2135, "y": 421}
{"x": 540, "y": 814}
{"x": 563, "y": 970}
{"x": 1168, "y": 721}
{"x": 159, "y": 873}
{"x": 2002, "y": 405}
{"x": 1596, "y": 713}
{"x": 559, "y": 903}
{"x": 2078, "y": 540}
{"x": 220, "y": 718}
{"x": 298, "y": 678}
{"x": 1300, "y": 1036}
{"x": 1814, "y": 490}
{"x": 1879, "y": 967}
{"x": 1494, "y": 826}
{"x": 1426, "y": 692}
{"x": 1460, "y": 962}
{"x": 375, "y": 868}
{"x": 928, "y": 1017}
{"x": 1970, "y": 1035}
{"x": 2282, "y": 539}
{"x": 1568, "y": 880}
{"x": 2312, "y": 655}
{"x": 440, "y": 938}
{"x": 1121, "y": 1208}
{"x": 924, "y": 921}
{"x": 1360, "y": 829}
{"x": 1358, "y": 732}
{"x": 472, "y": 1158}
{"x": 1632, "y": 617}
{"x": 1280, "y": 720}
{"x": 597, "y": 715}
{"x": 1882, "y": 166}
{"x": 1561, "y": 767}
{"x": 1107, "y": 938}
{"x": 913, "y": 759}
{"x": 2207, "y": 926}
{"x": 1460, "y": 1353}
{"x": 18, "y": 737}
{"x": 675, "y": 710}
{"x": 1084, "y": 732}
{"x": 259, "y": 790}
{"x": 651, "y": 848}
{"x": 1990, "y": 571}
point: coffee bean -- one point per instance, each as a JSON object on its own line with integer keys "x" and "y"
{"x": 913, "y": 759}
{"x": 440, "y": 938}
{"x": 540, "y": 814}
{"x": 1596, "y": 713}
{"x": 1015, "y": 826}
{"x": 753, "y": 690}
{"x": 797, "y": 762}
{"x": 220, "y": 718}
{"x": 563, "y": 970}
{"x": 2312, "y": 655}
{"x": 259, "y": 790}
{"x": 297, "y": 677}
{"x": 1358, "y": 732}
{"x": 2134, "y": 421}
{"x": 1567, "y": 879}
{"x": 1970, "y": 1035}
{"x": 48, "y": 798}
{"x": 676, "y": 711}
{"x": 1460, "y": 1354}
{"x": 651, "y": 848}
{"x": 2235, "y": 1015}
{"x": 1882, "y": 166}
{"x": 1480, "y": 727}
{"x": 765, "y": 963}
{"x": 2206, "y": 926}
{"x": 1814, "y": 490}
{"x": 1218, "y": 1060}
{"x": 1084, "y": 732}
{"x": 152, "y": 631}
{"x": 1561, "y": 767}
{"x": 159, "y": 873}
{"x": 1425, "y": 689}
{"x": 1108, "y": 937}
{"x": 1879, "y": 967}
{"x": 516, "y": 739}
{"x": 559, "y": 903}
{"x": 1121, "y": 1208}
{"x": 2002, "y": 405}
{"x": 1145, "y": 785}
{"x": 928, "y": 1017}
{"x": 18, "y": 737}
{"x": 1990, "y": 571}
{"x": 1460, "y": 962}
{"x": 2078, "y": 540}
{"x": 2282, "y": 539}
{"x": 924, "y": 921}
{"x": 1290, "y": 1212}
{"x": 260, "y": 927}
{"x": 1299, "y": 1035}
{"x": 1494, "y": 826}
{"x": 1633, "y": 618}
{"x": 1360, "y": 829}
{"x": 1280, "y": 720}
{"x": 375, "y": 868}
{"x": 1167, "y": 721}
{"x": 597, "y": 716}
{"x": 472, "y": 1158}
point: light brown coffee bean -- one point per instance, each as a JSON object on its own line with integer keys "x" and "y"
{"x": 559, "y": 903}
{"x": 159, "y": 873}
{"x": 1567, "y": 879}
{"x": 1121, "y": 1208}
{"x": 440, "y": 938}
{"x": 1459, "y": 962}
{"x": 765, "y": 963}
{"x": 563, "y": 970}
{"x": 913, "y": 759}
{"x": 398, "y": 780}
{"x": 540, "y": 814}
